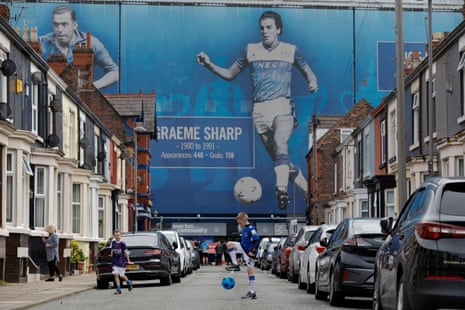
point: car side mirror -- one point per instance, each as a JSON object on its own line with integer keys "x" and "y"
{"x": 175, "y": 245}
{"x": 324, "y": 242}
{"x": 386, "y": 225}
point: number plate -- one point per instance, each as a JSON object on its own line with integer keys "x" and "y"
{"x": 132, "y": 267}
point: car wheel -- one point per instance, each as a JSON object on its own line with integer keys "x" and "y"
{"x": 319, "y": 295}
{"x": 402, "y": 300}
{"x": 176, "y": 278}
{"x": 376, "y": 300}
{"x": 166, "y": 280}
{"x": 335, "y": 298}
{"x": 102, "y": 284}
{"x": 294, "y": 275}
{"x": 301, "y": 285}
{"x": 310, "y": 286}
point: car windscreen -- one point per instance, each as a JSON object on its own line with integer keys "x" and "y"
{"x": 137, "y": 241}
{"x": 453, "y": 199}
{"x": 171, "y": 236}
{"x": 308, "y": 234}
{"x": 271, "y": 246}
{"x": 365, "y": 227}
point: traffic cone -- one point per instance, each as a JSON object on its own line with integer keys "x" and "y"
{"x": 223, "y": 262}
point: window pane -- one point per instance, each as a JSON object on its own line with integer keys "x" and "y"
{"x": 76, "y": 219}
{"x": 9, "y": 198}
{"x": 40, "y": 181}
{"x": 39, "y": 212}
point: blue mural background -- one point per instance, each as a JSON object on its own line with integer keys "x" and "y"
{"x": 156, "y": 47}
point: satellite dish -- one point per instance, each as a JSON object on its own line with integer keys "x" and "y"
{"x": 53, "y": 140}
{"x": 8, "y": 67}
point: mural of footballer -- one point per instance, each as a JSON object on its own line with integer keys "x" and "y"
{"x": 270, "y": 64}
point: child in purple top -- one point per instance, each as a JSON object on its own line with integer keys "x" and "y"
{"x": 119, "y": 259}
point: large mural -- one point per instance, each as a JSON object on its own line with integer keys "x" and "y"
{"x": 206, "y": 134}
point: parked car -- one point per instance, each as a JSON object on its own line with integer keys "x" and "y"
{"x": 282, "y": 262}
{"x": 306, "y": 279}
{"x": 266, "y": 259}
{"x": 274, "y": 256}
{"x": 262, "y": 247}
{"x": 346, "y": 266}
{"x": 179, "y": 246}
{"x": 301, "y": 241}
{"x": 188, "y": 267}
{"x": 194, "y": 254}
{"x": 152, "y": 253}
{"x": 421, "y": 264}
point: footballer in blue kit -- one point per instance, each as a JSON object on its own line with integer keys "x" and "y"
{"x": 270, "y": 63}
{"x": 247, "y": 248}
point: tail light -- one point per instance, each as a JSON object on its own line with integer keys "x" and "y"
{"x": 356, "y": 241}
{"x": 153, "y": 252}
{"x": 319, "y": 249}
{"x": 435, "y": 231}
{"x": 104, "y": 253}
{"x": 301, "y": 247}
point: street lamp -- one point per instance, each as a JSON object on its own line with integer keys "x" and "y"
{"x": 138, "y": 129}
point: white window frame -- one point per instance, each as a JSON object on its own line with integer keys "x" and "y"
{"x": 446, "y": 167}
{"x": 364, "y": 208}
{"x": 101, "y": 216}
{"x": 60, "y": 201}
{"x": 118, "y": 217}
{"x": 10, "y": 187}
{"x": 366, "y": 153}
{"x": 392, "y": 137}
{"x": 82, "y": 135}
{"x": 335, "y": 176}
{"x": 35, "y": 108}
{"x": 416, "y": 119}
{"x": 40, "y": 196}
{"x": 389, "y": 202}
{"x": 461, "y": 67}
{"x": 383, "y": 143}
{"x": 461, "y": 62}
{"x": 76, "y": 208}
{"x": 345, "y": 132}
{"x": 459, "y": 166}
{"x": 434, "y": 105}
{"x": 72, "y": 133}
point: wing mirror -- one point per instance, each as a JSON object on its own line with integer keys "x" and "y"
{"x": 324, "y": 242}
{"x": 386, "y": 224}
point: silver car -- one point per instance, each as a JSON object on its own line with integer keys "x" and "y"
{"x": 306, "y": 278}
{"x": 297, "y": 250}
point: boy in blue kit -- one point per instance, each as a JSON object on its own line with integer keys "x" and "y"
{"x": 119, "y": 259}
{"x": 248, "y": 248}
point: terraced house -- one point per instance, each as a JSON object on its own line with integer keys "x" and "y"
{"x": 60, "y": 163}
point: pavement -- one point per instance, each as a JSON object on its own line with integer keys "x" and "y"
{"x": 15, "y": 296}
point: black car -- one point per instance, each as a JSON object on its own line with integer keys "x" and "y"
{"x": 421, "y": 264}
{"x": 153, "y": 257}
{"x": 346, "y": 266}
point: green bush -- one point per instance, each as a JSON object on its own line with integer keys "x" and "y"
{"x": 77, "y": 254}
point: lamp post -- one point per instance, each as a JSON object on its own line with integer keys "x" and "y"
{"x": 430, "y": 88}
{"x": 400, "y": 107}
{"x": 138, "y": 129}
